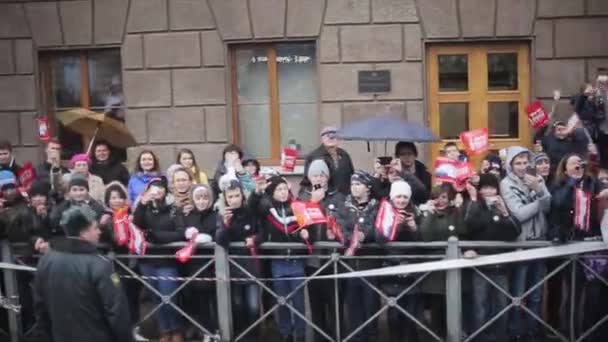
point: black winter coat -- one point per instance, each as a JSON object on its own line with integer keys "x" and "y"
{"x": 487, "y": 224}
{"x": 243, "y": 225}
{"x": 43, "y": 172}
{"x": 111, "y": 171}
{"x": 25, "y": 225}
{"x": 277, "y": 222}
{"x": 58, "y": 210}
{"x": 562, "y": 211}
{"x": 205, "y": 221}
{"x": 158, "y": 224}
{"x": 363, "y": 217}
{"x": 77, "y": 297}
{"x": 557, "y": 149}
{"x": 339, "y": 176}
{"x": 331, "y": 204}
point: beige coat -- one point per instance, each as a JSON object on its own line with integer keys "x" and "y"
{"x": 96, "y": 187}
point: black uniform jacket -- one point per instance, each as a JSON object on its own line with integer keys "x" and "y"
{"x": 77, "y": 296}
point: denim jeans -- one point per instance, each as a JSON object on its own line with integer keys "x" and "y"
{"x": 362, "y": 302}
{"x": 245, "y": 307}
{"x": 489, "y": 301}
{"x": 168, "y": 318}
{"x": 523, "y": 277}
{"x": 283, "y": 269}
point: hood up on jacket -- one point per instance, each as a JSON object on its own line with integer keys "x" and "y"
{"x": 115, "y": 186}
{"x": 513, "y": 152}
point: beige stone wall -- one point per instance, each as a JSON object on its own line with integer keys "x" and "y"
{"x": 176, "y": 78}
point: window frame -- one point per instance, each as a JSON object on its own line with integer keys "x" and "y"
{"x": 46, "y": 59}
{"x": 274, "y": 100}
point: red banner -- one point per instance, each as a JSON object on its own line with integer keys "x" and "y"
{"x": 307, "y": 213}
{"x": 537, "y": 115}
{"x": 476, "y": 141}
{"x": 452, "y": 171}
{"x": 26, "y": 176}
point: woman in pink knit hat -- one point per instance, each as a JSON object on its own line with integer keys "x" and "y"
{"x": 80, "y": 164}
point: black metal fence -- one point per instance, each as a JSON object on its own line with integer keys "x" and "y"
{"x": 214, "y": 266}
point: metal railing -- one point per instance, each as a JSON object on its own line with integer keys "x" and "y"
{"x": 332, "y": 262}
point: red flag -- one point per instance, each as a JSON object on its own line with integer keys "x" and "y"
{"x": 307, "y": 213}
{"x": 44, "y": 134}
{"x": 288, "y": 159}
{"x": 185, "y": 254}
{"x": 120, "y": 226}
{"x": 475, "y": 141}
{"x": 26, "y": 176}
{"x": 137, "y": 240}
{"x": 332, "y": 225}
{"x": 537, "y": 115}
{"x": 386, "y": 221}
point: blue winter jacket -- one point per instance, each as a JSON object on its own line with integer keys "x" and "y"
{"x": 137, "y": 184}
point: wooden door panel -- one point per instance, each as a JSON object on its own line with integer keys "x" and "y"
{"x": 478, "y": 95}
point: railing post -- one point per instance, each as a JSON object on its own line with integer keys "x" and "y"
{"x": 224, "y": 301}
{"x": 453, "y": 295}
{"x": 12, "y": 292}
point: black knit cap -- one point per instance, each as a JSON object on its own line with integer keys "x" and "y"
{"x": 362, "y": 177}
{"x": 273, "y": 182}
{"x": 488, "y": 180}
{"x": 40, "y": 188}
{"x": 158, "y": 181}
{"x": 78, "y": 180}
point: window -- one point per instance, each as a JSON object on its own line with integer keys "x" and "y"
{"x": 89, "y": 79}
{"x": 274, "y": 98}
{"x": 474, "y": 86}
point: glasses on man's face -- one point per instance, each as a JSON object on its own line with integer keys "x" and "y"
{"x": 331, "y": 136}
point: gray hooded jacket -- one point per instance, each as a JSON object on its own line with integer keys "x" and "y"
{"x": 530, "y": 208}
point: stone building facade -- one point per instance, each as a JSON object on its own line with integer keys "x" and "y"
{"x": 176, "y": 66}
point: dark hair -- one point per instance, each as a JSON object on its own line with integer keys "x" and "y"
{"x": 76, "y": 219}
{"x": 403, "y": 145}
{"x": 560, "y": 171}
{"x": 138, "y": 161}
{"x": 111, "y": 188}
{"x": 232, "y": 148}
{"x": 441, "y": 189}
{"x": 194, "y": 164}
{"x": 101, "y": 143}
{"x": 255, "y": 163}
{"x": 234, "y": 184}
{"x": 6, "y": 145}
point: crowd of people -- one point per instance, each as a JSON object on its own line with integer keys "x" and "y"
{"x": 555, "y": 192}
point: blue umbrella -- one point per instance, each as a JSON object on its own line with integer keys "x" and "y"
{"x": 385, "y": 128}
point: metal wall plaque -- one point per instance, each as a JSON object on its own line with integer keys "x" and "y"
{"x": 376, "y": 81}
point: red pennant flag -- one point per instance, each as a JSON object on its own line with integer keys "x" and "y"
{"x": 120, "y": 226}
{"x": 185, "y": 254}
{"x": 137, "y": 240}
{"x": 26, "y": 176}
{"x": 386, "y": 221}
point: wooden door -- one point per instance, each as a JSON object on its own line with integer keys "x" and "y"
{"x": 479, "y": 85}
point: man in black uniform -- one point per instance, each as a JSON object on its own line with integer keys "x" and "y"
{"x": 77, "y": 296}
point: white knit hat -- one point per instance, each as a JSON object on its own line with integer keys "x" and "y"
{"x": 400, "y": 188}
{"x": 317, "y": 167}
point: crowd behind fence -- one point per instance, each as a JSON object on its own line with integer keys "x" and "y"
{"x": 217, "y": 266}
